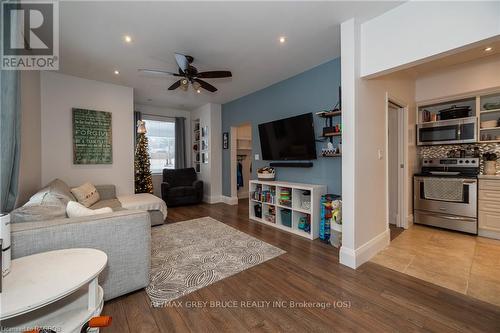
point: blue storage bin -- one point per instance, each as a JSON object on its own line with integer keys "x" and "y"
{"x": 286, "y": 217}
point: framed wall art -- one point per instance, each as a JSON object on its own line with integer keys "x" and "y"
{"x": 92, "y": 137}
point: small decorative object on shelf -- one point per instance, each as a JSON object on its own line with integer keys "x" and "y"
{"x": 266, "y": 173}
{"x": 332, "y": 130}
{"x": 305, "y": 223}
{"x": 285, "y": 198}
{"x": 305, "y": 200}
{"x": 490, "y": 163}
{"x": 330, "y": 151}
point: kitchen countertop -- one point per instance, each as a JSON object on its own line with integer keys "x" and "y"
{"x": 496, "y": 177}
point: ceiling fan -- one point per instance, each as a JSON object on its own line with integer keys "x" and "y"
{"x": 189, "y": 74}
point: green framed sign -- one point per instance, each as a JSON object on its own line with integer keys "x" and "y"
{"x": 92, "y": 137}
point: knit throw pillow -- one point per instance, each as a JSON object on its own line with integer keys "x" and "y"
{"x": 74, "y": 209}
{"x": 86, "y": 194}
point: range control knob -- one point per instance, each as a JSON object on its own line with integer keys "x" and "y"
{"x": 466, "y": 161}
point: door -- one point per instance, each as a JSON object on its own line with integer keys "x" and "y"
{"x": 393, "y": 160}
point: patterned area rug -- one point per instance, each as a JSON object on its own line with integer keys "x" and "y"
{"x": 190, "y": 255}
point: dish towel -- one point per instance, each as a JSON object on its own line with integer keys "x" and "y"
{"x": 444, "y": 189}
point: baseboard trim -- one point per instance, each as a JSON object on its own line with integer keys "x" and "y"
{"x": 212, "y": 199}
{"x": 488, "y": 233}
{"x": 229, "y": 200}
{"x": 355, "y": 258}
{"x": 409, "y": 221}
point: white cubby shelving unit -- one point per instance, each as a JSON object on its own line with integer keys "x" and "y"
{"x": 299, "y": 201}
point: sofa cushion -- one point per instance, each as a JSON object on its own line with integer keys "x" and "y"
{"x": 86, "y": 194}
{"x": 75, "y": 209}
{"x": 183, "y": 191}
{"x": 42, "y": 212}
{"x": 111, "y": 203}
{"x": 57, "y": 188}
{"x": 179, "y": 177}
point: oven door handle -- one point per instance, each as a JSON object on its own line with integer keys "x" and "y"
{"x": 447, "y": 217}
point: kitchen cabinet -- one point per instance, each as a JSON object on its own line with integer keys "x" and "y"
{"x": 489, "y": 207}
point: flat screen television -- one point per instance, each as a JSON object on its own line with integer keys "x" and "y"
{"x": 289, "y": 139}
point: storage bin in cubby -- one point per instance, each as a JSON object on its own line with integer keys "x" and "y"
{"x": 286, "y": 217}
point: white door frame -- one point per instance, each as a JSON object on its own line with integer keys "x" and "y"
{"x": 233, "y": 138}
{"x": 402, "y": 220}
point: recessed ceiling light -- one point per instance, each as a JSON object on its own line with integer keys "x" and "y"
{"x": 282, "y": 39}
{"x": 127, "y": 39}
{"x": 116, "y": 72}
{"x": 198, "y": 91}
{"x": 488, "y": 49}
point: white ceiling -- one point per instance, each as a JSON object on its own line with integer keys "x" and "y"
{"x": 237, "y": 36}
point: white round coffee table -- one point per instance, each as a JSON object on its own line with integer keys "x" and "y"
{"x": 55, "y": 289}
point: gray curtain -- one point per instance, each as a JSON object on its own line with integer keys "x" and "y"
{"x": 10, "y": 138}
{"x": 137, "y": 117}
{"x": 180, "y": 142}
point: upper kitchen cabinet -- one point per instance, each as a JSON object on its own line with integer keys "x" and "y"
{"x": 436, "y": 111}
{"x": 489, "y": 117}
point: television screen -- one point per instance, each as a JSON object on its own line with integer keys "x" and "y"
{"x": 288, "y": 139}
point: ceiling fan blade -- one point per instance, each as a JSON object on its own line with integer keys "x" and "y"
{"x": 182, "y": 61}
{"x": 206, "y": 85}
{"x": 175, "y": 85}
{"x": 214, "y": 74}
{"x": 155, "y": 71}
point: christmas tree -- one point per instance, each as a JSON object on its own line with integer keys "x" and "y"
{"x": 143, "y": 180}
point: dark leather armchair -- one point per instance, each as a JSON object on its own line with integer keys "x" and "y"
{"x": 181, "y": 187}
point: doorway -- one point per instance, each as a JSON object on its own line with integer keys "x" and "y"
{"x": 396, "y": 165}
{"x": 241, "y": 160}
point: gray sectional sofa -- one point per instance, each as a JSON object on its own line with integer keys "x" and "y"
{"x": 124, "y": 235}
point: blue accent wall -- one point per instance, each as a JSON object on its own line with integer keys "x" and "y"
{"x": 311, "y": 91}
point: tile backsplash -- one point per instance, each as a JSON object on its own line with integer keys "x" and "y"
{"x": 442, "y": 151}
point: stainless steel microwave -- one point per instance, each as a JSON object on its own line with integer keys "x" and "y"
{"x": 463, "y": 130}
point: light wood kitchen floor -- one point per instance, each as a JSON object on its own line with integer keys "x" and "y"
{"x": 463, "y": 263}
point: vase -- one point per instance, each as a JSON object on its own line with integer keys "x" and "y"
{"x": 490, "y": 167}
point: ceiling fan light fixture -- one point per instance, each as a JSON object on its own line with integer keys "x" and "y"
{"x": 184, "y": 84}
{"x": 196, "y": 86}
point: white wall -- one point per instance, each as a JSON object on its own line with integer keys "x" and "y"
{"x": 364, "y": 102}
{"x": 168, "y": 112}
{"x": 30, "y": 166}
{"x": 417, "y": 30}
{"x": 480, "y": 74}
{"x": 211, "y": 172}
{"x": 59, "y": 94}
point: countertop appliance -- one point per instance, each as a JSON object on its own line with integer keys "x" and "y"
{"x": 463, "y": 130}
{"x": 445, "y": 193}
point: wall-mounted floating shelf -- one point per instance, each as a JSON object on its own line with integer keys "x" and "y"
{"x": 332, "y": 134}
{"x": 331, "y": 155}
{"x": 329, "y": 114}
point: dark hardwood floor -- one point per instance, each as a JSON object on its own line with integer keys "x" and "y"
{"x": 373, "y": 298}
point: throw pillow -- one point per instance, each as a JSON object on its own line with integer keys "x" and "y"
{"x": 86, "y": 194}
{"x": 74, "y": 209}
{"x": 57, "y": 188}
{"x": 34, "y": 213}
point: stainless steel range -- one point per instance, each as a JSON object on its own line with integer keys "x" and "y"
{"x": 445, "y": 194}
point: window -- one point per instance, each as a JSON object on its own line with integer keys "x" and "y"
{"x": 161, "y": 139}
